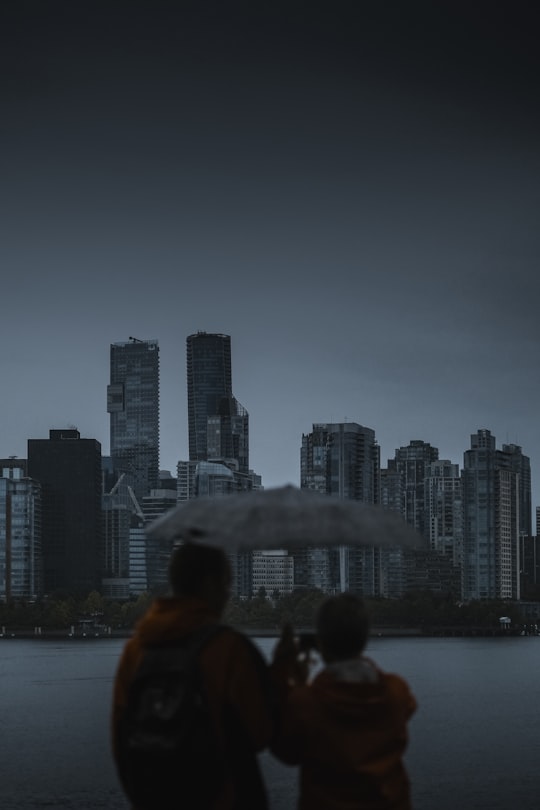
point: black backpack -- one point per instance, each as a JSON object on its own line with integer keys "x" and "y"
{"x": 168, "y": 747}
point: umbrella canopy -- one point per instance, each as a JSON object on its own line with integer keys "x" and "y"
{"x": 283, "y": 517}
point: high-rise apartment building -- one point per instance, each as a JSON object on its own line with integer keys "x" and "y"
{"x": 410, "y": 463}
{"x": 443, "y": 499}
{"x": 491, "y": 502}
{"x": 341, "y": 460}
{"x": 69, "y": 471}
{"x": 427, "y": 493}
{"x": 133, "y": 405}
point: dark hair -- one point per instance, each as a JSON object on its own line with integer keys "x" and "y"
{"x": 192, "y": 563}
{"x": 343, "y": 626}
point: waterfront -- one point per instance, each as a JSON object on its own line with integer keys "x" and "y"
{"x": 475, "y": 741}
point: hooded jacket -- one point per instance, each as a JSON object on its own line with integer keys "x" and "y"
{"x": 347, "y": 731}
{"x": 235, "y": 677}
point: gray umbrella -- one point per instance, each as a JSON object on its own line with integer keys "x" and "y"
{"x": 283, "y": 517}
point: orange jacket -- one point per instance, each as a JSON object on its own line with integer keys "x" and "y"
{"x": 348, "y": 732}
{"x": 236, "y": 682}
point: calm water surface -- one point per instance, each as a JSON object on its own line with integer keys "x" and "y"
{"x": 475, "y": 740}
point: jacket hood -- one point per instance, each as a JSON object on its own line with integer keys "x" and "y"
{"x": 354, "y": 670}
{"x": 354, "y": 688}
{"x": 168, "y": 619}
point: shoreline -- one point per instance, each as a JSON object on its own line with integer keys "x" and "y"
{"x": 376, "y": 632}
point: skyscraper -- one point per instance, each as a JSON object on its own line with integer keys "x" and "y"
{"x": 218, "y": 425}
{"x": 218, "y": 429}
{"x": 133, "y": 405}
{"x": 69, "y": 471}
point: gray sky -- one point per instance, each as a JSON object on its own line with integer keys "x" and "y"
{"x": 351, "y": 192}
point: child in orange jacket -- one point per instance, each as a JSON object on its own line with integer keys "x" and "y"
{"x": 347, "y": 729}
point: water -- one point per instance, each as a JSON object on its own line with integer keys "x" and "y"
{"x": 475, "y": 740}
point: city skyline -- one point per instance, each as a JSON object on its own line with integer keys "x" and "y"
{"x": 313, "y": 425}
{"x": 350, "y": 194}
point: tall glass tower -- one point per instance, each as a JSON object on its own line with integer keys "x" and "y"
{"x": 133, "y": 405}
{"x": 217, "y": 423}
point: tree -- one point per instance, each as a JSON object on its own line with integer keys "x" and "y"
{"x": 93, "y": 604}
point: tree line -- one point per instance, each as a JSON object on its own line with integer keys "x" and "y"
{"x": 421, "y": 609}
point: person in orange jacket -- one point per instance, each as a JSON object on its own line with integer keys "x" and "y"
{"x": 234, "y": 672}
{"x": 347, "y": 729}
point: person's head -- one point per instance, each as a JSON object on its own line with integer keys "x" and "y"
{"x": 342, "y": 627}
{"x": 201, "y": 571}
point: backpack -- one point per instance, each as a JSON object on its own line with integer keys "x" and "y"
{"x": 168, "y": 747}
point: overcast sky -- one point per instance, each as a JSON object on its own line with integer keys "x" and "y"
{"x": 349, "y": 190}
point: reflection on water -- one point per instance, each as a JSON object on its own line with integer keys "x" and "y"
{"x": 475, "y": 741}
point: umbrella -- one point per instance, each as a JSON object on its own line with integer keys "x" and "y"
{"x": 283, "y": 517}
